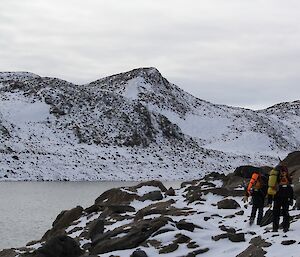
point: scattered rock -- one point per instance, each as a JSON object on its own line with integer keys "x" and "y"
{"x": 228, "y": 204}
{"x": 181, "y": 239}
{"x": 240, "y": 213}
{"x": 236, "y": 237}
{"x": 169, "y": 248}
{"x": 192, "y": 245}
{"x": 258, "y": 241}
{"x": 218, "y": 237}
{"x": 196, "y": 252}
{"x": 183, "y": 225}
{"x": 227, "y": 229}
{"x": 170, "y": 192}
{"x": 139, "y": 253}
{"x": 254, "y": 251}
{"x": 288, "y": 242}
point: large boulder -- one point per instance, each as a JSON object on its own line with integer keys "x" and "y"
{"x": 116, "y": 196}
{"x": 63, "y": 220}
{"x": 152, "y": 196}
{"x": 60, "y": 246}
{"x": 153, "y": 183}
{"x": 247, "y": 170}
{"x": 133, "y": 235}
{"x": 293, "y": 159}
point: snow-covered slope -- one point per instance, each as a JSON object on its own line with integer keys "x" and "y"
{"x": 131, "y": 126}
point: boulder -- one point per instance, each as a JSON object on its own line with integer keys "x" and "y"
{"x": 236, "y": 237}
{"x": 133, "y": 235}
{"x": 253, "y": 250}
{"x": 63, "y": 220}
{"x": 170, "y": 192}
{"x": 116, "y": 196}
{"x": 152, "y": 196}
{"x": 293, "y": 159}
{"x": 247, "y": 170}
{"x": 288, "y": 242}
{"x": 194, "y": 193}
{"x": 183, "y": 225}
{"x": 60, "y": 246}
{"x": 169, "y": 248}
{"x": 96, "y": 228}
{"x": 157, "y": 208}
{"x": 258, "y": 241}
{"x": 218, "y": 237}
{"x": 154, "y": 183}
{"x": 228, "y": 204}
{"x": 139, "y": 253}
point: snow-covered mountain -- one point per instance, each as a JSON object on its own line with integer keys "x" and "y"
{"x": 131, "y": 126}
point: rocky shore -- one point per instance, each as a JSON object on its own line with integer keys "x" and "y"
{"x": 204, "y": 217}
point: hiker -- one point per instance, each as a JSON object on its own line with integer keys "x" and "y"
{"x": 281, "y": 192}
{"x": 257, "y": 190}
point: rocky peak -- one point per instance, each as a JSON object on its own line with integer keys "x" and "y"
{"x": 17, "y": 76}
{"x": 139, "y": 77}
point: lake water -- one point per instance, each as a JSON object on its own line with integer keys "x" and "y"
{"x": 27, "y": 209}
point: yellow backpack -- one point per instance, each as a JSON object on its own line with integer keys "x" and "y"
{"x": 272, "y": 183}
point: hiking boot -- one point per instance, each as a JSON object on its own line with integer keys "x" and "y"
{"x": 275, "y": 230}
{"x": 285, "y": 230}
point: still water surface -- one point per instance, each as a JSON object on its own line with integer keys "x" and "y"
{"x": 27, "y": 209}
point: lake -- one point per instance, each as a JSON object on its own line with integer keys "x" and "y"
{"x": 27, "y": 209}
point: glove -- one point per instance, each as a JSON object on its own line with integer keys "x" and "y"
{"x": 245, "y": 199}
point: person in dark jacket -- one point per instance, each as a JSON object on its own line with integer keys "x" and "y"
{"x": 282, "y": 200}
{"x": 257, "y": 190}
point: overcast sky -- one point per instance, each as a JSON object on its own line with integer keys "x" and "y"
{"x": 236, "y": 52}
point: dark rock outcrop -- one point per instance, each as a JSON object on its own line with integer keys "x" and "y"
{"x": 228, "y": 204}
{"x": 135, "y": 233}
{"x": 60, "y": 246}
{"x": 252, "y": 250}
{"x": 63, "y": 220}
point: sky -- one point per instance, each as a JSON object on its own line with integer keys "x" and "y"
{"x": 236, "y": 52}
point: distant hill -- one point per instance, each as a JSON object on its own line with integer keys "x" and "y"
{"x": 131, "y": 126}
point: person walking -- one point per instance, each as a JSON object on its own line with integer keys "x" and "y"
{"x": 282, "y": 194}
{"x": 257, "y": 189}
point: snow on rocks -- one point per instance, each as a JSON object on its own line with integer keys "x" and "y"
{"x": 133, "y": 126}
{"x": 171, "y": 226}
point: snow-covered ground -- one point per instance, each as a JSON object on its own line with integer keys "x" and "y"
{"x": 209, "y": 221}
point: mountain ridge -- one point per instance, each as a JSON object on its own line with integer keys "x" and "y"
{"x": 138, "y": 112}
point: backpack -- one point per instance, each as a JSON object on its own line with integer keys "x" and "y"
{"x": 278, "y": 177}
{"x": 258, "y": 181}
